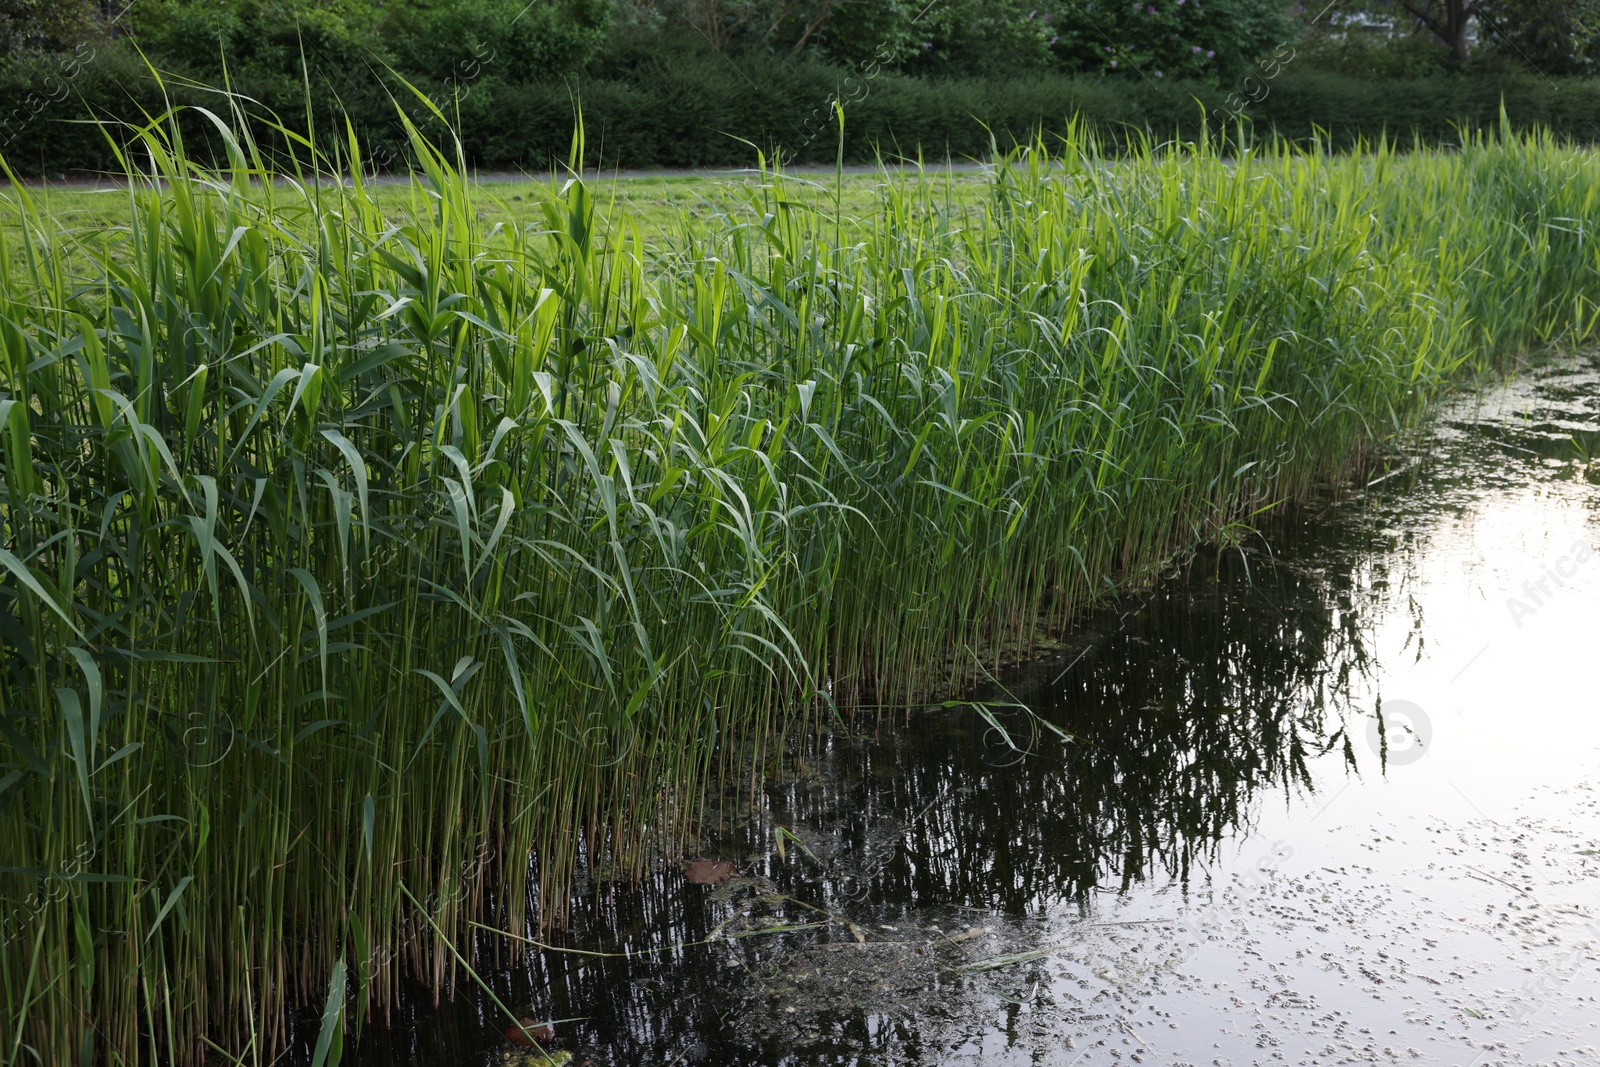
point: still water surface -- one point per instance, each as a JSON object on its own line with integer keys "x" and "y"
{"x": 1334, "y": 798}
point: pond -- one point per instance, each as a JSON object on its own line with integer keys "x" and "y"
{"x": 1329, "y": 796}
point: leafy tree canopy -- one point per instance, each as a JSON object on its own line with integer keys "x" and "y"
{"x": 1550, "y": 37}
{"x": 47, "y": 25}
{"x": 1207, "y": 39}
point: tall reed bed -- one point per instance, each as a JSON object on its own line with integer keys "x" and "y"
{"x": 349, "y": 559}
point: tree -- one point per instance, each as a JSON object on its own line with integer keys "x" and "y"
{"x": 981, "y": 37}
{"x": 259, "y": 37}
{"x": 848, "y": 31}
{"x": 46, "y": 25}
{"x": 1205, "y": 40}
{"x": 1211, "y": 40}
{"x": 1554, "y": 37}
{"x": 443, "y": 39}
{"x": 505, "y": 39}
{"x": 1448, "y": 20}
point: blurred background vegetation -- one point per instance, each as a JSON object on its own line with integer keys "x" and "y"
{"x": 682, "y": 83}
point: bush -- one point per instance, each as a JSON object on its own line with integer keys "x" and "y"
{"x": 34, "y": 25}
{"x": 1434, "y": 109}
{"x": 260, "y": 39}
{"x": 702, "y": 111}
{"x": 1214, "y": 41}
{"x": 701, "y": 114}
{"x": 1208, "y": 40}
{"x": 42, "y": 94}
{"x": 58, "y": 110}
{"x": 508, "y": 39}
{"x": 1374, "y": 55}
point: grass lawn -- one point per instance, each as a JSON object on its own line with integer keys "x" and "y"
{"x": 660, "y": 207}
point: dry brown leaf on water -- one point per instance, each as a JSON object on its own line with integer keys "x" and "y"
{"x": 708, "y": 872}
{"x": 529, "y": 1031}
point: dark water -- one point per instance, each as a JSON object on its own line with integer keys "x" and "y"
{"x": 1330, "y": 797}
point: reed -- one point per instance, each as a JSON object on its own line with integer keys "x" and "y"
{"x": 351, "y": 556}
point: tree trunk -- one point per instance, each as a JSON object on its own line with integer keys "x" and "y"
{"x": 1456, "y": 13}
{"x": 1449, "y": 25}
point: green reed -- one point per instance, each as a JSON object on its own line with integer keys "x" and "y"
{"x": 350, "y": 558}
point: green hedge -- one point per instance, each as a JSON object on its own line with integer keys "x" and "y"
{"x": 1349, "y": 109}
{"x": 698, "y": 112}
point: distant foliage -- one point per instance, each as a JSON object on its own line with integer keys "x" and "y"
{"x": 46, "y": 25}
{"x": 1554, "y": 37}
{"x": 975, "y": 37}
{"x": 1211, "y": 40}
{"x": 696, "y": 82}
{"x": 1208, "y": 40}
{"x": 271, "y": 38}
{"x": 344, "y": 40}
{"x": 1375, "y": 55}
{"x": 510, "y": 40}
{"x": 1412, "y": 38}
{"x": 703, "y": 111}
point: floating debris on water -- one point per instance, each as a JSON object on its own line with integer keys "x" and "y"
{"x": 518, "y": 1058}
{"x": 709, "y": 872}
{"x": 529, "y": 1031}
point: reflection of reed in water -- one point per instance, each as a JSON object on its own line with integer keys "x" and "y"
{"x": 882, "y": 864}
{"x": 1212, "y": 692}
{"x": 1186, "y": 715}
